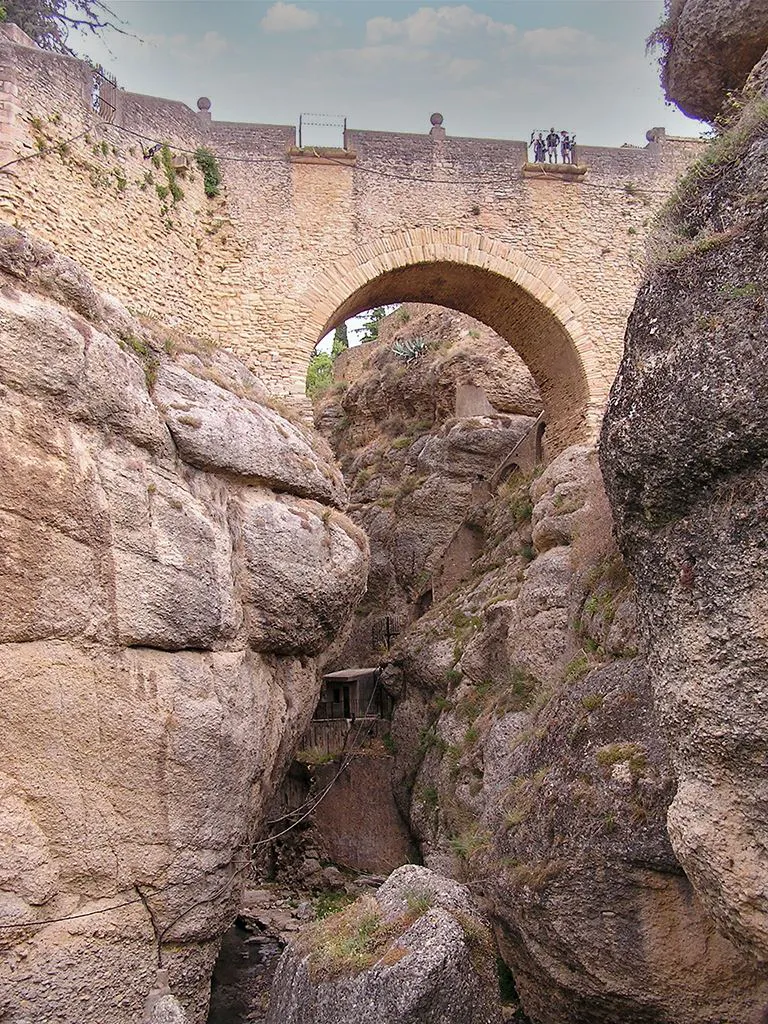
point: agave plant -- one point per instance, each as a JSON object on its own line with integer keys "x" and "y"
{"x": 409, "y": 349}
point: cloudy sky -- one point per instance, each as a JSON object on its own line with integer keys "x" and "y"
{"x": 494, "y": 68}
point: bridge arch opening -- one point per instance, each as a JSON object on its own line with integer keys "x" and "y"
{"x": 524, "y": 302}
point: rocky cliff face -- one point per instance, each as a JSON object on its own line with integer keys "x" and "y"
{"x": 684, "y": 451}
{"x": 533, "y": 766}
{"x": 709, "y": 48}
{"x": 174, "y": 561}
{"x": 417, "y": 458}
{"x": 530, "y": 759}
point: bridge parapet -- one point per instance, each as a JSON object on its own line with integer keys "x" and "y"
{"x": 243, "y": 268}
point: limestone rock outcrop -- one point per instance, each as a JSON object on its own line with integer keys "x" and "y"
{"x": 221, "y": 431}
{"x": 710, "y": 48}
{"x": 533, "y": 765}
{"x": 160, "y": 629}
{"x": 374, "y": 387}
{"x": 416, "y": 953}
{"x": 684, "y": 449}
{"x": 418, "y": 441}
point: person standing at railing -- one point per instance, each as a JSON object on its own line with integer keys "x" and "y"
{"x": 539, "y": 148}
{"x": 553, "y": 141}
{"x": 566, "y": 147}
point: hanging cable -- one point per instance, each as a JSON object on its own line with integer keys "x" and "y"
{"x": 189, "y": 881}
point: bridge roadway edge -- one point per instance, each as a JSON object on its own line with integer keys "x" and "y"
{"x": 254, "y": 269}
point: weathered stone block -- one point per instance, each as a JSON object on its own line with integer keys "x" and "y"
{"x": 171, "y": 558}
{"x": 216, "y": 430}
{"x": 304, "y": 569}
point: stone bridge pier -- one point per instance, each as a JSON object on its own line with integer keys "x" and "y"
{"x": 299, "y": 239}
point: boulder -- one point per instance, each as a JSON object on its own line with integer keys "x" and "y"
{"x": 711, "y": 48}
{"x": 303, "y": 570}
{"x": 418, "y": 951}
{"x": 474, "y": 447}
{"x": 36, "y": 262}
{"x": 48, "y": 352}
{"x": 172, "y": 557}
{"x": 216, "y": 430}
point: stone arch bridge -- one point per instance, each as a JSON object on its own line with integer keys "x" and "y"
{"x": 299, "y": 240}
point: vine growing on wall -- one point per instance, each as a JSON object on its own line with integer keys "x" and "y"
{"x": 174, "y": 188}
{"x": 209, "y": 165}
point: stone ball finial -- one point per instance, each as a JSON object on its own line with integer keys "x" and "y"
{"x": 203, "y": 103}
{"x": 436, "y": 120}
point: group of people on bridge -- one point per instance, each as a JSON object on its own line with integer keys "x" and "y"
{"x": 545, "y": 149}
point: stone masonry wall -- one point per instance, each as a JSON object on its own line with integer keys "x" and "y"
{"x": 244, "y": 269}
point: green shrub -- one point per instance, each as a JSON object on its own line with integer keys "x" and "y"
{"x": 745, "y": 291}
{"x": 429, "y": 798}
{"x": 313, "y": 756}
{"x": 319, "y": 374}
{"x": 429, "y": 740}
{"x": 453, "y": 676}
{"x": 521, "y": 507}
{"x": 577, "y": 667}
{"x": 209, "y": 165}
{"x": 418, "y": 901}
{"x": 592, "y": 701}
{"x": 516, "y": 816}
{"x": 355, "y": 938}
{"x": 527, "y": 552}
{"x": 174, "y": 188}
{"x": 468, "y": 843}
{"x": 615, "y": 753}
{"x": 329, "y": 902}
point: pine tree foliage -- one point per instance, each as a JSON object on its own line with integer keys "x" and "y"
{"x": 340, "y": 341}
{"x": 319, "y": 373}
{"x": 50, "y": 22}
{"x": 371, "y": 326}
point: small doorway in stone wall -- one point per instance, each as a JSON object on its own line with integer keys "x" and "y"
{"x": 424, "y": 602}
{"x": 538, "y": 453}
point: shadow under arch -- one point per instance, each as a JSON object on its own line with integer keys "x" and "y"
{"x": 525, "y": 302}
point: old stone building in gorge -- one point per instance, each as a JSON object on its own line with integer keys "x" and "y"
{"x": 299, "y": 240}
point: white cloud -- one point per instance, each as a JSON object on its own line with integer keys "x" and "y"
{"x": 427, "y": 24}
{"x": 411, "y": 61}
{"x": 184, "y": 48}
{"x": 213, "y": 44}
{"x": 283, "y": 17}
{"x": 462, "y": 68}
{"x": 373, "y": 58}
{"x": 553, "y": 43}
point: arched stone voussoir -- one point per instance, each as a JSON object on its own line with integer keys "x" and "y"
{"x": 526, "y": 302}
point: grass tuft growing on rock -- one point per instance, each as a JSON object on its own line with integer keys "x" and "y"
{"x": 314, "y": 756}
{"x": 355, "y": 938}
{"x": 677, "y": 236}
